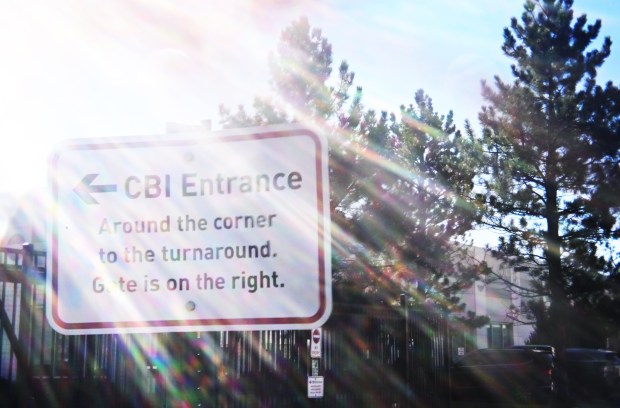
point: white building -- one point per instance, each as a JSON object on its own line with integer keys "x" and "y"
{"x": 498, "y": 298}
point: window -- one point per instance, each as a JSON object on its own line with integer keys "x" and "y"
{"x": 500, "y": 336}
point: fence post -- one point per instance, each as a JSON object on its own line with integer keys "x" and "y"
{"x": 23, "y": 346}
{"x": 405, "y": 305}
{"x": 26, "y": 306}
{"x": 448, "y": 358}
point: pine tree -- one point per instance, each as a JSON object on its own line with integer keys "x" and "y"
{"x": 415, "y": 175}
{"x": 305, "y": 91}
{"x": 396, "y": 185}
{"x": 300, "y": 77}
{"x": 551, "y": 140}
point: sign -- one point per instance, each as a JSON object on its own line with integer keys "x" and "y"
{"x": 316, "y": 387}
{"x": 315, "y": 343}
{"x": 189, "y": 232}
{"x": 315, "y": 367}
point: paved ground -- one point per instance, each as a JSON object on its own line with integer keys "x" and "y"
{"x": 613, "y": 401}
{"x": 582, "y": 404}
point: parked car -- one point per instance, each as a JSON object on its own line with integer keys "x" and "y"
{"x": 506, "y": 375}
{"x": 592, "y": 372}
{"x": 537, "y": 347}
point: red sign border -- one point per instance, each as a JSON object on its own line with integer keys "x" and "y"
{"x": 202, "y": 323}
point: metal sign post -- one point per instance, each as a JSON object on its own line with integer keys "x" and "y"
{"x": 316, "y": 383}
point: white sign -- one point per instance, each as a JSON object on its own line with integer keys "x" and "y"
{"x": 190, "y": 233}
{"x": 316, "y": 387}
{"x": 315, "y": 343}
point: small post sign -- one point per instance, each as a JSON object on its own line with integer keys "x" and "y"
{"x": 190, "y": 232}
{"x": 316, "y": 387}
{"x": 315, "y": 343}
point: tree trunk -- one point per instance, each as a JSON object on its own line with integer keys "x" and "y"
{"x": 558, "y": 309}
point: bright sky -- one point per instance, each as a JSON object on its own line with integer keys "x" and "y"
{"x": 74, "y": 69}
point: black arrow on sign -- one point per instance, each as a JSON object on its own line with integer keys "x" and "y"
{"x": 85, "y": 189}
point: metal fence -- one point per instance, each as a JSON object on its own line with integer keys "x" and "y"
{"x": 372, "y": 356}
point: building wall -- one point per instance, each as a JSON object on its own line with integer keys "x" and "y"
{"x": 493, "y": 297}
